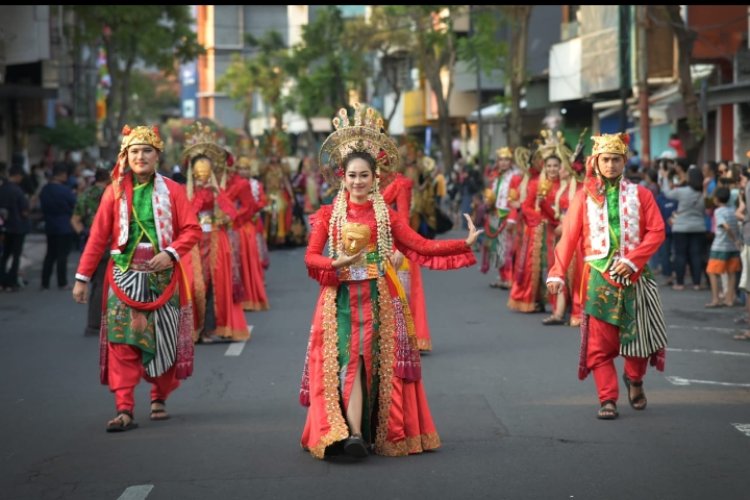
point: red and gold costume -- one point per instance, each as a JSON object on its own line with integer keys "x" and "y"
{"x": 216, "y": 281}
{"x": 398, "y": 193}
{"x": 146, "y": 321}
{"x": 613, "y": 221}
{"x": 251, "y": 268}
{"x": 534, "y": 252}
{"x": 362, "y": 313}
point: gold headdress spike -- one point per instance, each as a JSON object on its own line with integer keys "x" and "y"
{"x": 364, "y": 134}
{"x": 141, "y": 135}
{"x": 610, "y": 143}
{"x": 504, "y": 152}
{"x": 201, "y": 140}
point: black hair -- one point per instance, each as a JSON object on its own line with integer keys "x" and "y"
{"x": 60, "y": 167}
{"x": 194, "y": 159}
{"x": 101, "y": 175}
{"x": 362, "y": 155}
{"x": 695, "y": 179}
{"x": 722, "y": 194}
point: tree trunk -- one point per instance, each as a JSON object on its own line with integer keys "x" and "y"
{"x": 310, "y": 136}
{"x": 685, "y": 39}
{"x": 519, "y": 15}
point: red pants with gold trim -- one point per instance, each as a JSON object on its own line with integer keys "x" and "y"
{"x": 125, "y": 370}
{"x": 603, "y": 348}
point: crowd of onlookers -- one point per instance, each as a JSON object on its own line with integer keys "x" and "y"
{"x": 58, "y": 199}
{"x": 707, "y": 222}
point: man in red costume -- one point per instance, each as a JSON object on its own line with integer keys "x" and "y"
{"x": 148, "y": 224}
{"x": 620, "y": 227}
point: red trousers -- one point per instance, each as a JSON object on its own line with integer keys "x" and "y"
{"x": 125, "y": 370}
{"x": 603, "y": 348}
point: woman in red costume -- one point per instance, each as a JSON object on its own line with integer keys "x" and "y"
{"x": 217, "y": 315}
{"x": 398, "y": 195}
{"x": 570, "y": 296}
{"x": 146, "y": 221}
{"x": 535, "y": 252}
{"x": 362, "y": 377}
{"x": 251, "y": 269}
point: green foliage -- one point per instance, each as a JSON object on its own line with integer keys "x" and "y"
{"x": 149, "y": 99}
{"x": 485, "y": 45}
{"x": 264, "y": 73}
{"x": 158, "y": 35}
{"x": 66, "y": 135}
{"x": 327, "y": 64}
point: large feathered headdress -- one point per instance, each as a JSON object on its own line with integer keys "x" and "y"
{"x": 365, "y": 133}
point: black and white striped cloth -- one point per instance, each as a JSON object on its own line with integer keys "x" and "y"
{"x": 651, "y": 332}
{"x": 135, "y": 284}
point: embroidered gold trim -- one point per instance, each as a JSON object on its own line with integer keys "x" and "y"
{"x": 338, "y": 428}
{"x": 387, "y": 344}
{"x": 424, "y": 344}
{"x": 411, "y": 445}
{"x": 199, "y": 298}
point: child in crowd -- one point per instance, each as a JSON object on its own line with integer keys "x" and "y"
{"x": 725, "y": 250}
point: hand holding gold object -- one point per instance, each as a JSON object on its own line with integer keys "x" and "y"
{"x": 544, "y": 187}
{"x": 355, "y": 237}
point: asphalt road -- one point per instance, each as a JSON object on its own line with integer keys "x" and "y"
{"x": 514, "y": 420}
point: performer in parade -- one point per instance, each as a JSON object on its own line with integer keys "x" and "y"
{"x": 535, "y": 251}
{"x": 362, "y": 377}
{"x": 499, "y": 224}
{"x": 620, "y": 228}
{"x": 216, "y": 282}
{"x": 150, "y": 228}
{"x": 251, "y": 265}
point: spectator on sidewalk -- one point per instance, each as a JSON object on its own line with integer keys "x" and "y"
{"x": 57, "y": 202}
{"x": 82, "y": 220}
{"x": 16, "y": 225}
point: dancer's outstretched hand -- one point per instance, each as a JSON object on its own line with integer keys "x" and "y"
{"x": 473, "y": 231}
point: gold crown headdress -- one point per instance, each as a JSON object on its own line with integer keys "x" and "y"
{"x": 504, "y": 152}
{"x": 610, "y": 143}
{"x": 141, "y": 135}
{"x": 201, "y": 140}
{"x": 363, "y": 134}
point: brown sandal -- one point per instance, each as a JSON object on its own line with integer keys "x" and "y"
{"x": 159, "y": 413}
{"x": 118, "y": 424}
{"x": 607, "y": 411}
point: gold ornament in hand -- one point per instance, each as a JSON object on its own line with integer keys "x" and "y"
{"x": 355, "y": 237}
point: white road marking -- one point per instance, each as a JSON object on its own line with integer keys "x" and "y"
{"x": 235, "y": 349}
{"x": 706, "y": 351}
{"x": 688, "y": 381}
{"x": 703, "y": 328}
{"x": 743, "y": 428}
{"x": 138, "y": 492}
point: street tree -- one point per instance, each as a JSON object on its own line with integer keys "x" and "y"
{"x": 153, "y": 35}
{"x": 390, "y": 39}
{"x": 326, "y": 65}
{"x": 265, "y": 73}
{"x": 435, "y": 49}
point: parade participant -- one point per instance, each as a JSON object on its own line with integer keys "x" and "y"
{"x": 397, "y": 194}
{"x": 83, "y": 216}
{"x": 570, "y": 296}
{"x": 498, "y": 228}
{"x": 362, "y": 377}
{"x": 620, "y": 227}
{"x": 218, "y": 317}
{"x": 148, "y": 224}
{"x": 278, "y": 188}
{"x": 535, "y": 250}
{"x": 251, "y": 267}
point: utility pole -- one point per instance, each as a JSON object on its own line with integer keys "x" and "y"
{"x": 645, "y": 124}
{"x": 479, "y": 91}
{"x": 624, "y": 64}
